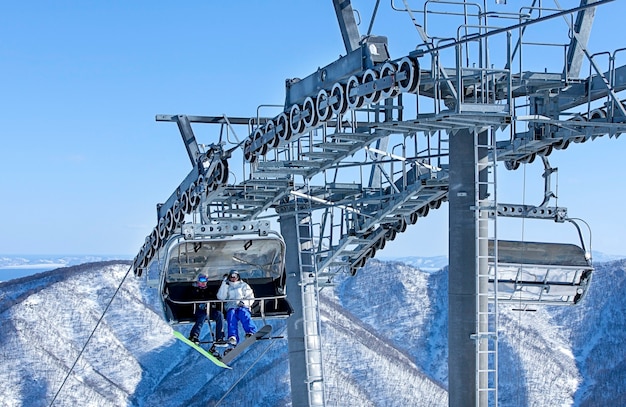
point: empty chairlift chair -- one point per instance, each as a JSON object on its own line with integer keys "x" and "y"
{"x": 533, "y": 273}
{"x": 539, "y": 273}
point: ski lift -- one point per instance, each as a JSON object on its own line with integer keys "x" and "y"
{"x": 539, "y": 272}
{"x": 250, "y": 247}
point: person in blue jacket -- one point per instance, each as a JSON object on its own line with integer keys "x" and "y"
{"x": 239, "y": 297}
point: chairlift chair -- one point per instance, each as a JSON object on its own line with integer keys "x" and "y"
{"x": 257, "y": 253}
{"x": 538, "y": 272}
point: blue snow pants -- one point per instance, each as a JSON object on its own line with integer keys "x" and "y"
{"x": 236, "y": 315}
{"x": 216, "y": 315}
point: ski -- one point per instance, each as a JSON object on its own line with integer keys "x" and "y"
{"x": 232, "y": 353}
{"x": 212, "y": 358}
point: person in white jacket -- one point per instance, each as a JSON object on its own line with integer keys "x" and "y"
{"x": 239, "y": 298}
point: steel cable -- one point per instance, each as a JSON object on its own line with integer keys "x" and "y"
{"x": 90, "y": 336}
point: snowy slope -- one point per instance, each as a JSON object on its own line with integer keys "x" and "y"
{"x": 384, "y": 330}
{"x": 597, "y": 330}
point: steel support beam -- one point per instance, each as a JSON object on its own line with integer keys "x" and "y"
{"x": 462, "y": 288}
{"x": 289, "y": 223}
{"x": 191, "y": 145}
{"x": 347, "y": 24}
{"x": 582, "y": 28}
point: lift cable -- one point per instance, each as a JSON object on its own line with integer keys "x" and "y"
{"x": 249, "y": 368}
{"x": 518, "y": 376}
{"x": 90, "y": 336}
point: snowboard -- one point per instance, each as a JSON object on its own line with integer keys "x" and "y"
{"x": 203, "y": 351}
{"x": 232, "y": 353}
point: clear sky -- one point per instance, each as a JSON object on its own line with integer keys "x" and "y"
{"x": 83, "y": 161}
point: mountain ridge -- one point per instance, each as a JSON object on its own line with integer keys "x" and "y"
{"x": 382, "y": 328}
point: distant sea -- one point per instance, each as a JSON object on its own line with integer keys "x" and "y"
{"x": 17, "y": 266}
{"x": 9, "y": 273}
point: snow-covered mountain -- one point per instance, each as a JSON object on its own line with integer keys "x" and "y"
{"x": 432, "y": 263}
{"x": 384, "y": 330}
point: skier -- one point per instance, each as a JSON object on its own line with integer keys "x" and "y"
{"x": 201, "y": 314}
{"x": 239, "y": 297}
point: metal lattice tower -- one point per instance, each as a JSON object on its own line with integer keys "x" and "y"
{"x": 366, "y": 145}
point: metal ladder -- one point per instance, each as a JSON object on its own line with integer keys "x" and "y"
{"x": 310, "y": 303}
{"x": 486, "y": 336}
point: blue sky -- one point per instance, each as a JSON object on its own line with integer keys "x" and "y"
{"x": 83, "y": 162}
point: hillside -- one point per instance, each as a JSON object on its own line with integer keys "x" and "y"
{"x": 384, "y": 345}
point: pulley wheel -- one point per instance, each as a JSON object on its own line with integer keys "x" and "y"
{"x": 179, "y": 213}
{"x": 194, "y": 199}
{"x": 546, "y": 151}
{"x": 154, "y": 239}
{"x": 380, "y": 244}
{"x": 529, "y": 159}
{"x": 339, "y": 105}
{"x": 412, "y": 76}
{"x": 257, "y": 136}
{"x": 283, "y": 129}
{"x": 170, "y": 223}
{"x": 200, "y": 182}
{"x": 149, "y": 253}
{"x": 322, "y": 107}
{"x": 597, "y": 114}
{"x": 270, "y": 128}
{"x": 162, "y": 229}
{"x": 296, "y": 124}
{"x": 310, "y": 112}
{"x": 562, "y": 145}
{"x": 369, "y": 78}
{"x": 212, "y": 186}
{"x": 400, "y": 225}
{"x": 389, "y": 69}
{"x": 248, "y": 155}
{"x": 184, "y": 202}
{"x": 435, "y": 204}
{"x": 354, "y": 101}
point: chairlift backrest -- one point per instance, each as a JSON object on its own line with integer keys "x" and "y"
{"x": 539, "y": 273}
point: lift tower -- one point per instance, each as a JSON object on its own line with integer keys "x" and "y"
{"x": 366, "y": 145}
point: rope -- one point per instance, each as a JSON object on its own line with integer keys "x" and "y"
{"x": 90, "y": 336}
{"x": 247, "y": 370}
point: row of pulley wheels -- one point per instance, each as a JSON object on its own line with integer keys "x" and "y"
{"x": 188, "y": 202}
{"x": 370, "y": 87}
{"x": 391, "y": 231}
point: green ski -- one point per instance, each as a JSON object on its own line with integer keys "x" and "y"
{"x": 212, "y": 358}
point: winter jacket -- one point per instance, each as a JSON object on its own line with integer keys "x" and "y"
{"x": 238, "y": 291}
